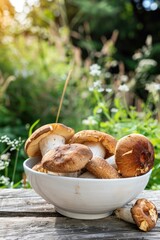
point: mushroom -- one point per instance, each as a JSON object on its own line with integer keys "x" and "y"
{"x": 143, "y": 214}
{"x": 67, "y": 158}
{"x": 111, "y": 161}
{"x": 134, "y": 155}
{"x": 101, "y": 169}
{"x": 39, "y": 168}
{"x": 87, "y": 175}
{"x": 101, "y": 144}
{"x": 47, "y": 137}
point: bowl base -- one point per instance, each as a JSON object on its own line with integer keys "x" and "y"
{"x": 85, "y": 216}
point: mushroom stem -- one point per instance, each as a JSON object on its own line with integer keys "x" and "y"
{"x": 97, "y": 149}
{"x": 124, "y": 213}
{"x": 87, "y": 175}
{"x": 101, "y": 169}
{"x": 50, "y": 142}
{"x": 111, "y": 161}
{"x": 143, "y": 213}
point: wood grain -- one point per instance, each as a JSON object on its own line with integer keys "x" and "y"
{"x": 25, "y": 215}
{"x": 21, "y": 200}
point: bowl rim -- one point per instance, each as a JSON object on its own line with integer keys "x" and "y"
{"x": 83, "y": 179}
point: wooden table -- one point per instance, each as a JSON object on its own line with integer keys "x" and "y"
{"x": 25, "y": 215}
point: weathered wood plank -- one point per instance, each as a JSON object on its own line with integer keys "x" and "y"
{"x": 21, "y": 200}
{"x": 25, "y": 215}
{"x": 26, "y": 200}
{"x": 67, "y": 228}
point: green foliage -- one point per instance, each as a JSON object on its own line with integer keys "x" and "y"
{"x": 116, "y": 117}
{"x": 96, "y": 20}
{"x": 96, "y": 12}
{"x": 38, "y": 84}
{"x": 7, "y": 147}
{"x": 32, "y": 127}
{"x": 147, "y": 126}
{"x": 37, "y": 57}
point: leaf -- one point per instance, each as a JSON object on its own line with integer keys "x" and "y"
{"x": 32, "y": 126}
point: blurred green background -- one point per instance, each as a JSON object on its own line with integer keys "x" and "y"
{"x": 41, "y": 40}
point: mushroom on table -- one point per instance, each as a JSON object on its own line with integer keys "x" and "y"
{"x": 143, "y": 213}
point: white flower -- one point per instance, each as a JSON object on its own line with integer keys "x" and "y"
{"x": 100, "y": 89}
{"x": 5, "y": 139}
{"x": 114, "y": 63}
{"x": 123, "y": 88}
{"x": 2, "y": 165}
{"x": 89, "y": 121}
{"x": 108, "y": 75}
{"x": 108, "y": 90}
{"x": 4, "y": 180}
{"x": 14, "y": 144}
{"x": 97, "y": 84}
{"x": 99, "y": 110}
{"x": 146, "y": 50}
{"x": 147, "y": 63}
{"x": 114, "y": 110}
{"x": 124, "y": 78}
{"x": 5, "y": 157}
{"x": 95, "y": 70}
{"x": 153, "y": 87}
{"x": 91, "y": 89}
{"x": 137, "y": 55}
{"x": 149, "y": 40}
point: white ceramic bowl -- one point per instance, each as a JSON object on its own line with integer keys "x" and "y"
{"x": 84, "y": 198}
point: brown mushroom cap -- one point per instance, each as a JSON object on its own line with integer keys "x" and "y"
{"x": 32, "y": 144}
{"x": 107, "y": 141}
{"x": 145, "y": 214}
{"x": 39, "y": 168}
{"x": 134, "y": 155}
{"x": 67, "y": 158}
{"x": 101, "y": 169}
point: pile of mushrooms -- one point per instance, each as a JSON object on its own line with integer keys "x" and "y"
{"x": 95, "y": 154}
{"x": 62, "y": 151}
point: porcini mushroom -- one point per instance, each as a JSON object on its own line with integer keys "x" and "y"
{"x": 101, "y": 144}
{"x": 67, "y": 158}
{"x": 39, "y": 168}
{"x": 143, "y": 214}
{"x": 134, "y": 155}
{"x": 47, "y": 137}
{"x": 101, "y": 169}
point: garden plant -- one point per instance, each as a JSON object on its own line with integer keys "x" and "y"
{"x": 115, "y": 80}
